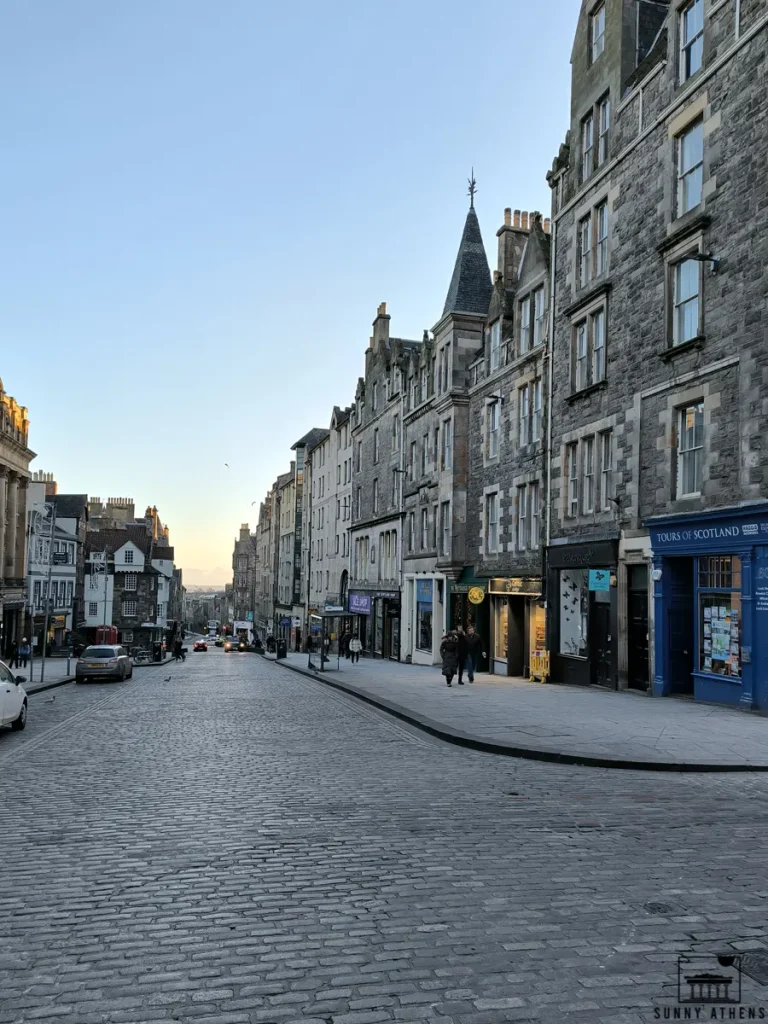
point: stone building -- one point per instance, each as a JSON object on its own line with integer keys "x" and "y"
{"x": 377, "y": 511}
{"x": 284, "y": 558}
{"x": 244, "y": 559}
{"x": 437, "y": 449}
{"x": 658, "y": 478}
{"x": 329, "y": 484}
{"x": 267, "y": 544}
{"x": 15, "y": 457}
{"x": 500, "y": 592}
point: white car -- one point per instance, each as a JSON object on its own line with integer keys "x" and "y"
{"x": 13, "y": 698}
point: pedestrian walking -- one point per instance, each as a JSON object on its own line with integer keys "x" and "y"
{"x": 354, "y": 648}
{"x": 346, "y": 636}
{"x": 14, "y": 659}
{"x": 461, "y": 653}
{"x": 24, "y": 652}
{"x": 177, "y": 650}
{"x": 449, "y": 652}
{"x": 474, "y": 649}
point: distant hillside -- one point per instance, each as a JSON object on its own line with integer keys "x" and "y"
{"x": 206, "y": 579}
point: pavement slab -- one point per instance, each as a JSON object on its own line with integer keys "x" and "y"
{"x": 578, "y": 725}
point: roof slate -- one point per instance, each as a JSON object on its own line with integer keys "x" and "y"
{"x": 71, "y": 506}
{"x": 311, "y": 438}
{"x": 470, "y": 288}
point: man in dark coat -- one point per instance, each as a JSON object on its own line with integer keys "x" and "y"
{"x": 474, "y": 649}
{"x": 449, "y": 652}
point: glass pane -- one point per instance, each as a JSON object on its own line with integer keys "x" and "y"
{"x": 690, "y": 320}
{"x": 694, "y": 19}
{"x": 695, "y": 55}
{"x": 574, "y": 603}
{"x": 692, "y": 147}
{"x": 687, "y": 280}
{"x": 720, "y": 633}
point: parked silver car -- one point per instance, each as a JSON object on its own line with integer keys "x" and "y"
{"x": 104, "y": 661}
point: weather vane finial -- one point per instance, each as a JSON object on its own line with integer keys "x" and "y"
{"x": 472, "y": 189}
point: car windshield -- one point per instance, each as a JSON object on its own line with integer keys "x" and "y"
{"x": 100, "y": 652}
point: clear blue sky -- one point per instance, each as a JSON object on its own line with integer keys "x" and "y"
{"x": 205, "y": 200}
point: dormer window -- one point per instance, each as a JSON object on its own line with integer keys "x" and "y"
{"x": 495, "y": 352}
{"x": 596, "y": 33}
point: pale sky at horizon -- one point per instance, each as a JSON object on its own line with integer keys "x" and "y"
{"x": 204, "y": 203}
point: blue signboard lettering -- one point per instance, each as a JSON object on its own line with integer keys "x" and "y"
{"x": 424, "y": 591}
{"x": 359, "y": 604}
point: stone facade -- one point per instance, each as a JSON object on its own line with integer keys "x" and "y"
{"x": 377, "y": 454}
{"x": 15, "y": 457}
{"x": 668, "y": 418}
{"x": 244, "y": 557}
{"x": 508, "y": 392}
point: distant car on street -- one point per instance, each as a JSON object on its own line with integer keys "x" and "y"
{"x": 219, "y": 642}
{"x": 13, "y": 698}
{"x": 201, "y": 645}
{"x": 234, "y": 644}
{"x": 104, "y": 661}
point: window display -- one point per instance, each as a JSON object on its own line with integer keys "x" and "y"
{"x": 720, "y": 615}
{"x": 502, "y": 630}
{"x": 574, "y": 611}
{"x": 424, "y": 615}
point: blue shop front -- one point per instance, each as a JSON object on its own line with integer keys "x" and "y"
{"x": 710, "y": 580}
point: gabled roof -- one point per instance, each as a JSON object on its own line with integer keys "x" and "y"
{"x": 71, "y": 506}
{"x": 284, "y": 479}
{"x": 311, "y": 438}
{"x": 470, "y": 288}
{"x": 323, "y": 436}
{"x": 112, "y": 540}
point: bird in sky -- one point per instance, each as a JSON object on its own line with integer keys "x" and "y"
{"x": 227, "y": 465}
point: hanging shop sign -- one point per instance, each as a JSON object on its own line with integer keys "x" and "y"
{"x": 476, "y": 595}
{"x": 599, "y": 579}
{"x": 359, "y": 604}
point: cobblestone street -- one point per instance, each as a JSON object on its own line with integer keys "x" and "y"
{"x": 241, "y": 844}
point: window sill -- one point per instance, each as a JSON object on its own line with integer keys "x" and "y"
{"x": 601, "y": 385}
{"x": 668, "y": 354}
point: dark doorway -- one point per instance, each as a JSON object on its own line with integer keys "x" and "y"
{"x": 678, "y": 579}
{"x": 600, "y": 660}
{"x": 516, "y": 654}
{"x": 637, "y": 619}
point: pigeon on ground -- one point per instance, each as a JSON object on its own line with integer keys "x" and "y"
{"x": 167, "y": 679}
{"x": 50, "y": 700}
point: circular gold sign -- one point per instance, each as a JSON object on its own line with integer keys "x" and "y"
{"x": 476, "y": 595}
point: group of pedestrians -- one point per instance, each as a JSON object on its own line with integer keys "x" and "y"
{"x": 350, "y": 645}
{"x": 461, "y": 652}
{"x": 19, "y": 654}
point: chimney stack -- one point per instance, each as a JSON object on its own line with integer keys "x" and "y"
{"x": 381, "y": 326}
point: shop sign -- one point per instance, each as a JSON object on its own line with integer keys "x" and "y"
{"x": 334, "y": 608}
{"x": 285, "y": 621}
{"x": 568, "y": 556}
{"x": 515, "y": 586}
{"x": 476, "y": 595}
{"x": 424, "y": 591}
{"x": 599, "y": 579}
{"x": 58, "y": 621}
{"x": 249, "y": 616}
{"x": 702, "y": 534}
{"x": 297, "y": 622}
{"x": 359, "y": 604}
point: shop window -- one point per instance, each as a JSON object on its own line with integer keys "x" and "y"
{"x": 574, "y": 612}
{"x": 719, "y": 592}
{"x": 501, "y": 645}
{"x": 424, "y": 615}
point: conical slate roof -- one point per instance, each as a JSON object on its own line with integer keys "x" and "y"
{"x": 470, "y": 289}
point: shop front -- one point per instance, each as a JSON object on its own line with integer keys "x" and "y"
{"x": 518, "y": 624}
{"x": 469, "y": 605}
{"x": 583, "y": 613}
{"x": 710, "y": 592}
{"x": 376, "y": 620}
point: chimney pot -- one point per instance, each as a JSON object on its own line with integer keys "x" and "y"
{"x": 516, "y": 220}
{"x": 382, "y": 310}
{"x": 546, "y": 225}
{"x": 524, "y": 220}
{"x": 507, "y": 216}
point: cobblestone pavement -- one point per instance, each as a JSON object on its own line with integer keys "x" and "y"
{"x": 241, "y": 844}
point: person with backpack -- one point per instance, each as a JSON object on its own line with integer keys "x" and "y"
{"x": 449, "y": 652}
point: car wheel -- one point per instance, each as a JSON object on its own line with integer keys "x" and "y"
{"x": 21, "y": 721}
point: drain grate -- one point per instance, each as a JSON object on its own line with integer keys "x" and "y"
{"x": 659, "y": 908}
{"x": 755, "y": 965}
